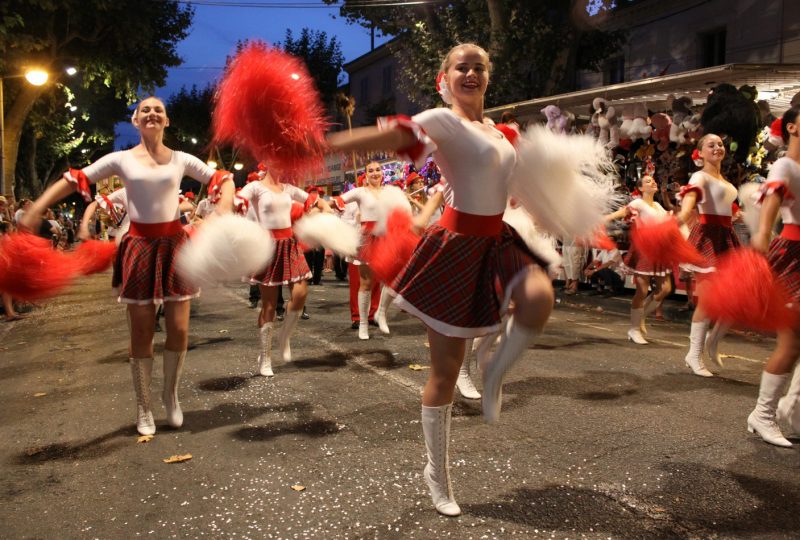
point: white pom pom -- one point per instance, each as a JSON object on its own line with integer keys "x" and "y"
{"x": 751, "y": 210}
{"x": 329, "y": 231}
{"x": 566, "y": 182}
{"x": 541, "y": 244}
{"x": 390, "y": 198}
{"x": 225, "y": 248}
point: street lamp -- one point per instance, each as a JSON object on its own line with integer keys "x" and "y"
{"x": 238, "y": 166}
{"x": 36, "y": 77}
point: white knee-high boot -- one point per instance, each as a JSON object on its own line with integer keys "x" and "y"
{"x": 635, "y": 332}
{"x": 173, "y": 367}
{"x": 285, "y": 333}
{"x": 265, "y": 356}
{"x": 712, "y": 341}
{"x": 464, "y": 382}
{"x": 648, "y": 301}
{"x": 363, "y": 314}
{"x": 697, "y": 337}
{"x": 762, "y": 419}
{"x": 436, "y": 428}
{"x": 513, "y": 343}
{"x": 141, "y": 371}
{"x": 788, "y": 407}
{"x": 383, "y": 305}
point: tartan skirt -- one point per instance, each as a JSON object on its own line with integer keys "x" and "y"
{"x": 144, "y": 270}
{"x": 784, "y": 258}
{"x": 635, "y": 263}
{"x": 459, "y": 284}
{"x": 711, "y": 240}
{"x": 288, "y": 266}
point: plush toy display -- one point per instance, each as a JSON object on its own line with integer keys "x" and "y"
{"x": 681, "y": 109}
{"x": 692, "y": 128}
{"x": 661, "y": 124}
{"x": 626, "y": 127}
{"x": 558, "y": 121}
{"x": 607, "y": 121}
{"x": 729, "y": 112}
{"x": 639, "y": 128}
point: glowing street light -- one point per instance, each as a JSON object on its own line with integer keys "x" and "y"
{"x": 211, "y": 163}
{"x": 71, "y": 71}
{"x": 238, "y": 166}
{"x": 194, "y": 141}
{"x": 36, "y": 77}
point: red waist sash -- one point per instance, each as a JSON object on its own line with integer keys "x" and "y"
{"x": 790, "y": 231}
{"x": 713, "y": 219}
{"x": 471, "y": 224}
{"x": 280, "y": 234}
{"x": 153, "y": 230}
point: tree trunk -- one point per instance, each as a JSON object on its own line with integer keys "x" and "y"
{"x": 14, "y": 121}
{"x": 497, "y": 20}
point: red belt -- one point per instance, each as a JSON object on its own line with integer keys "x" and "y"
{"x": 279, "y": 234}
{"x": 471, "y": 224}
{"x": 790, "y": 231}
{"x": 368, "y": 225}
{"x": 713, "y": 219}
{"x": 152, "y": 230}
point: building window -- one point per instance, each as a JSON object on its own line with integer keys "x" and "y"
{"x": 615, "y": 70}
{"x": 712, "y": 48}
{"x": 388, "y": 84}
{"x": 365, "y": 90}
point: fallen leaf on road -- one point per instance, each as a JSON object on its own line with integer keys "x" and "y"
{"x": 177, "y": 459}
{"x": 417, "y": 367}
{"x": 39, "y": 394}
{"x": 428, "y": 345}
{"x": 223, "y": 331}
{"x": 298, "y": 487}
{"x": 145, "y": 438}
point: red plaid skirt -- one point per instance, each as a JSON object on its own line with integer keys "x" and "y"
{"x": 635, "y": 263}
{"x": 144, "y": 270}
{"x": 458, "y": 284}
{"x": 784, "y": 257}
{"x": 288, "y": 266}
{"x": 711, "y": 241}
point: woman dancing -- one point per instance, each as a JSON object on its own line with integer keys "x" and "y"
{"x": 272, "y": 202}
{"x": 712, "y": 235}
{"x": 643, "y": 210}
{"x": 144, "y": 271}
{"x": 449, "y": 282}
{"x": 779, "y": 194}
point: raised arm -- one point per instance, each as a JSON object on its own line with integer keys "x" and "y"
{"x": 371, "y": 139}
{"x": 769, "y": 212}
{"x": 83, "y": 230}
{"x": 422, "y": 219}
{"x": 33, "y": 217}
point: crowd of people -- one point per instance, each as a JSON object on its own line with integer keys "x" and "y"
{"x": 470, "y": 278}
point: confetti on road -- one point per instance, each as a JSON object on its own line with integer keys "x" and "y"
{"x": 298, "y": 487}
{"x": 178, "y": 458}
{"x": 145, "y": 438}
{"x": 417, "y": 367}
{"x": 39, "y": 394}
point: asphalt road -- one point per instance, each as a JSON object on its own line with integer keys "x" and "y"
{"x": 599, "y": 438}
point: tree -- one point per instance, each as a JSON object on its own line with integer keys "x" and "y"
{"x": 535, "y": 46}
{"x": 323, "y": 58}
{"x": 123, "y": 45}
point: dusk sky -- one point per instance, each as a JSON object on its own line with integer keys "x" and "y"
{"x": 216, "y": 29}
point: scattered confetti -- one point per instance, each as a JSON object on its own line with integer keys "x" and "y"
{"x": 39, "y": 394}
{"x": 146, "y": 439}
{"x": 178, "y": 459}
{"x": 298, "y": 487}
{"x": 417, "y": 367}
{"x": 223, "y": 331}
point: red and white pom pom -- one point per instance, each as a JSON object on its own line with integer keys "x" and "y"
{"x": 267, "y": 103}
{"x": 30, "y": 269}
{"x": 225, "y": 248}
{"x": 566, "y": 182}
{"x": 601, "y": 240}
{"x": 387, "y": 255}
{"x": 542, "y": 245}
{"x": 744, "y": 291}
{"x": 390, "y": 198}
{"x": 330, "y": 232}
{"x": 662, "y": 243}
{"x": 93, "y": 256}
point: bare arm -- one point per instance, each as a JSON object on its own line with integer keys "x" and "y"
{"x": 88, "y": 214}
{"x": 368, "y": 139}
{"x": 619, "y": 214}
{"x": 323, "y": 205}
{"x": 421, "y": 220}
{"x": 769, "y": 212}
{"x": 60, "y": 189}
{"x": 687, "y": 205}
{"x": 225, "y": 203}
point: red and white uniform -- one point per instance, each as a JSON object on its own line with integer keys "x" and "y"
{"x": 144, "y": 269}
{"x": 273, "y": 213}
{"x": 713, "y": 234}
{"x": 460, "y": 276}
{"x": 367, "y": 204}
{"x": 784, "y": 251}
{"x": 115, "y": 204}
{"x": 634, "y": 262}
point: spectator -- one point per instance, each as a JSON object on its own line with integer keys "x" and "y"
{"x": 603, "y": 272}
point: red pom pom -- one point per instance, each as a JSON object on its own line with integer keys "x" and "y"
{"x": 662, "y": 243}
{"x": 267, "y": 104}
{"x": 30, "y": 269}
{"x": 297, "y": 211}
{"x": 745, "y": 291}
{"x": 94, "y": 256}
{"x": 602, "y": 241}
{"x": 388, "y": 254}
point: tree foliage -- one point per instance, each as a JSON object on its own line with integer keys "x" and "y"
{"x": 535, "y": 46}
{"x": 323, "y": 58}
{"x": 123, "y": 46}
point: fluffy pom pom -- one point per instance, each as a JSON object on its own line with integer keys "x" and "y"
{"x": 94, "y": 256}
{"x": 600, "y": 240}
{"x": 387, "y": 254}
{"x": 760, "y": 301}
{"x": 329, "y": 231}
{"x": 391, "y": 198}
{"x": 267, "y": 104}
{"x": 224, "y": 249}
{"x": 540, "y": 244}
{"x": 751, "y": 211}
{"x": 662, "y": 243}
{"x": 296, "y": 212}
{"x": 565, "y": 181}
{"x": 30, "y": 269}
